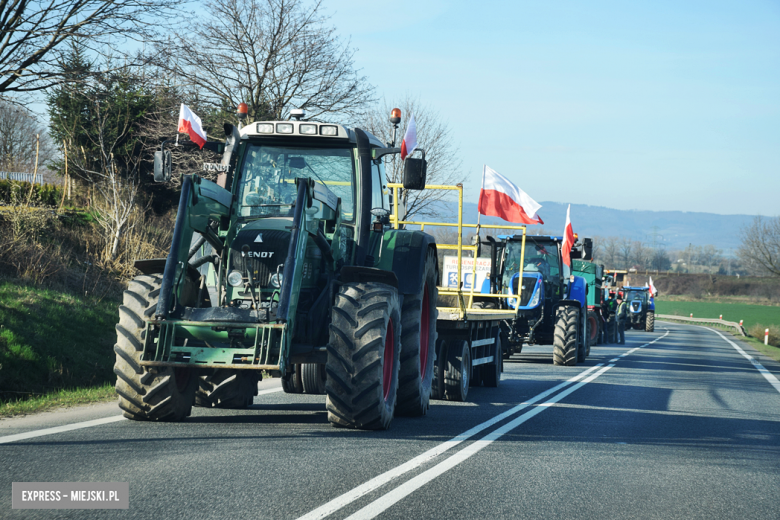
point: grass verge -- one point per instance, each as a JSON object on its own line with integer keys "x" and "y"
{"x": 59, "y": 399}
{"x": 751, "y": 314}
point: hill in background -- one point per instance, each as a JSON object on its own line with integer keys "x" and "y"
{"x": 674, "y": 230}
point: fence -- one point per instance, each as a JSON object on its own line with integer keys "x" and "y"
{"x": 737, "y": 326}
{"x": 21, "y": 177}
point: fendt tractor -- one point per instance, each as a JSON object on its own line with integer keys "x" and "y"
{"x": 593, "y": 275}
{"x": 549, "y": 302}
{"x": 287, "y": 264}
{"x": 641, "y": 308}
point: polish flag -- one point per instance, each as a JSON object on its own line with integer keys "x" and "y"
{"x": 568, "y": 239}
{"x": 500, "y": 198}
{"x": 190, "y": 123}
{"x": 410, "y": 139}
{"x": 653, "y": 290}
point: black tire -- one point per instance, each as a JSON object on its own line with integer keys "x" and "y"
{"x": 566, "y": 335}
{"x": 593, "y": 329}
{"x": 491, "y": 373}
{"x": 147, "y": 394}
{"x": 313, "y": 378}
{"x": 582, "y": 341}
{"x": 650, "y": 321}
{"x": 458, "y": 374}
{"x": 418, "y": 345}
{"x": 476, "y": 376}
{"x": 364, "y": 356}
{"x": 440, "y": 366}
{"x": 292, "y": 383}
{"x": 222, "y": 388}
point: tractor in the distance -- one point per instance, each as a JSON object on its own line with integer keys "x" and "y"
{"x": 641, "y": 308}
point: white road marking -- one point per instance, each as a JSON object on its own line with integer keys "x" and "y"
{"x": 769, "y": 376}
{"x": 60, "y": 429}
{"x": 381, "y": 504}
{"x": 380, "y": 480}
{"x": 269, "y": 391}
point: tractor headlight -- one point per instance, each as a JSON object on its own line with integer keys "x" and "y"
{"x": 535, "y": 299}
{"x": 235, "y": 278}
{"x": 276, "y": 280}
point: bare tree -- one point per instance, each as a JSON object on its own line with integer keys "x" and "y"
{"x": 18, "y": 131}
{"x": 611, "y": 252}
{"x": 626, "y": 251}
{"x": 760, "y": 249}
{"x": 434, "y": 136}
{"x": 33, "y": 33}
{"x": 273, "y": 55}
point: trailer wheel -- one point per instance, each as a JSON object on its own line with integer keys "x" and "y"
{"x": 458, "y": 373}
{"x": 566, "y": 335}
{"x": 147, "y": 394}
{"x": 363, "y": 356}
{"x": 292, "y": 383}
{"x": 491, "y": 373}
{"x": 650, "y": 321}
{"x": 313, "y": 378}
{"x": 440, "y": 366}
{"x": 223, "y": 388}
{"x": 593, "y": 328}
{"x": 418, "y": 344}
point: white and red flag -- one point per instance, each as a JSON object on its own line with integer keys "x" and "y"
{"x": 190, "y": 123}
{"x": 410, "y": 139}
{"x": 568, "y": 239}
{"x": 653, "y": 290}
{"x": 500, "y": 198}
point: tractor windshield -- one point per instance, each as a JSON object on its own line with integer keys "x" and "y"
{"x": 540, "y": 257}
{"x": 635, "y": 295}
{"x": 268, "y": 173}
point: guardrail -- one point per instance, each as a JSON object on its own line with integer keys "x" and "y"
{"x": 21, "y": 177}
{"x": 673, "y": 317}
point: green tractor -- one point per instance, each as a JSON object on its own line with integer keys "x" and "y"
{"x": 287, "y": 266}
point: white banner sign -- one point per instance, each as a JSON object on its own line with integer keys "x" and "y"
{"x": 450, "y": 277}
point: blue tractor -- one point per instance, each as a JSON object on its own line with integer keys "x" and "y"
{"x": 550, "y": 302}
{"x": 641, "y": 308}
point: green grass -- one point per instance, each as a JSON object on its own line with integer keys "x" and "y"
{"x": 52, "y": 340}
{"x": 59, "y": 399}
{"x": 751, "y": 314}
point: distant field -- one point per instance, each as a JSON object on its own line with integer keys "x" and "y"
{"x": 751, "y": 314}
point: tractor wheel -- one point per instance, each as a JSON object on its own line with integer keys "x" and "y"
{"x": 418, "y": 345}
{"x": 292, "y": 382}
{"x": 363, "y": 356}
{"x": 566, "y": 335}
{"x": 458, "y": 373}
{"x": 313, "y": 378}
{"x": 582, "y": 340}
{"x": 440, "y": 366}
{"x": 222, "y": 388}
{"x": 593, "y": 329}
{"x": 147, "y": 394}
{"x": 491, "y": 373}
{"x": 650, "y": 321}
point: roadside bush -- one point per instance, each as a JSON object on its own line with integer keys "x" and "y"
{"x": 757, "y": 331}
{"x": 43, "y": 194}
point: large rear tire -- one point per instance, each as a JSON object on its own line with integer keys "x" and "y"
{"x": 313, "y": 378}
{"x": 222, "y": 388}
{"x": 565, "y": 337}
{"x": 364, "y": 356}
{"x": 593, "y": 328}
{"x": 147, "y": 394}
{"x": 650, "y": 321}
{"x": 418, "y": 345}
{"x": 458, "y": 374}
{"x": 491, "y": 373}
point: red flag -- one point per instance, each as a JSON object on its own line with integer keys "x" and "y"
{"x": 568, "y": 239}
{"x": 410, "y": 139}
{"x": 190, "y": 123}
{"x": 500, "y": 198}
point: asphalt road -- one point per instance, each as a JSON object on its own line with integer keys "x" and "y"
{"x": 684, "y": 427}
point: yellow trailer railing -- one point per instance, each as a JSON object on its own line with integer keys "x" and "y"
{"x": 465, "y": 309}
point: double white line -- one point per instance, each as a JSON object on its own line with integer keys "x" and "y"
{"x": 384, "y": 502}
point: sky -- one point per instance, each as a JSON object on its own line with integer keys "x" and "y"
{"x": 648, "y": 105}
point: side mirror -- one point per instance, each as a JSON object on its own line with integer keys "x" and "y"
{"x": 587, "y": 249}
{"x": 414, "y": 173}
{"x": 162, "y": 166}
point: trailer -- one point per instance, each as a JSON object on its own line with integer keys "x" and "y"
{"x": 593, "y": 275}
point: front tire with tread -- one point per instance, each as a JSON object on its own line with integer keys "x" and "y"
{"x": 650, "y": 321}
{"x": 566, "y": 334}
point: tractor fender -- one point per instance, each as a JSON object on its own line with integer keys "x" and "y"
{"x": 404, "y": 252}
{"x": 351, "y": 273}
{"x": 578, "y": 291}
{"x": 651, "y": 305}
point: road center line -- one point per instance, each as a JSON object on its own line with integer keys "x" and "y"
{"x": 59, "y": 429}
{"x": 769, "y": 376}
{"x": 380, "y": 480}
{"x": 383, "y": 503}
